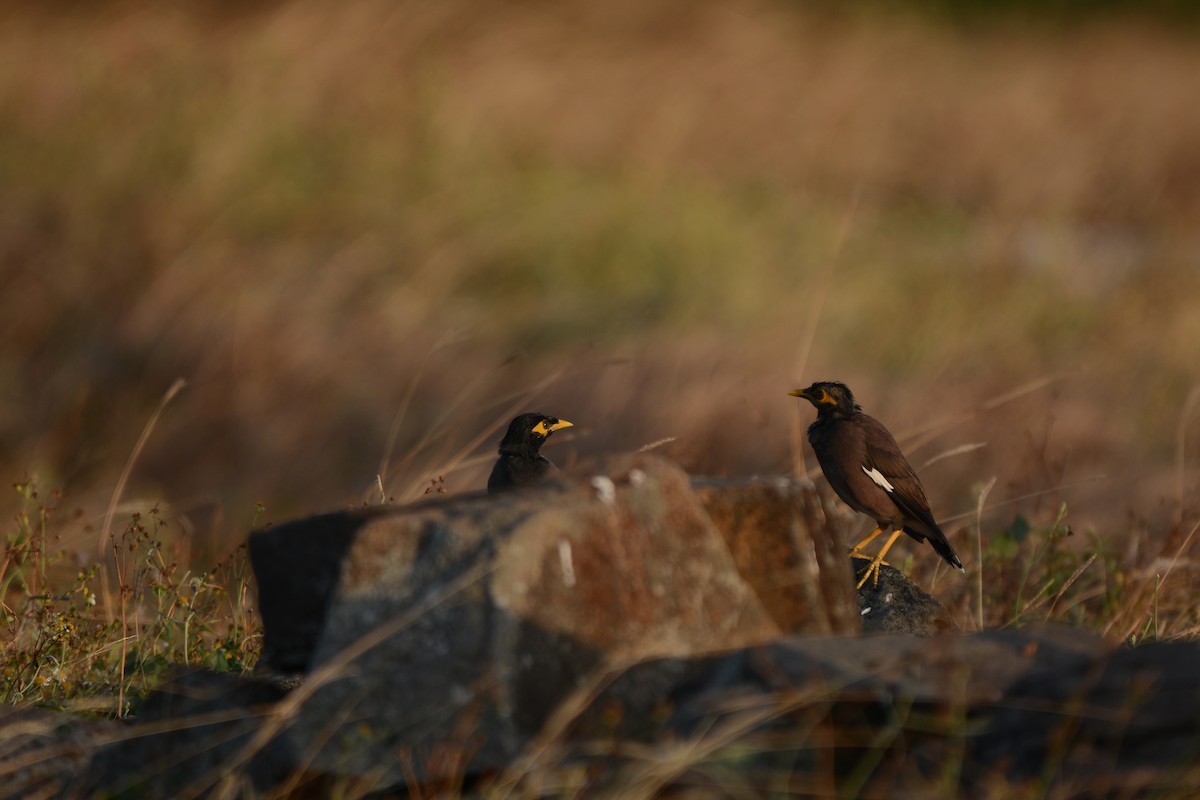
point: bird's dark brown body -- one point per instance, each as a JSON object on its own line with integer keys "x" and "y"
{"x": 521, "y": 465}
{"x": 865, "y": 467}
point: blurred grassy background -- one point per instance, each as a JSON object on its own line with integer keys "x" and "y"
{"x": 367, "y": 233}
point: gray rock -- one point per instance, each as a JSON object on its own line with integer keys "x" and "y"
{"x": 1121, "y": 725}
{"x": 897, "y": 605}
{"x": 949, "y": 669}
{"x": 1048, "y": 711}
{"x": 194, "y": 736}
{"x": 42, "y": 752}
{"x": 1045, "y": 712}
{"x": 455, "y": 629}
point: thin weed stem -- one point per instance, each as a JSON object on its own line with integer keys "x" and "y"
{"x": 979, "y": 506}
{"x": 1189, "y": 408}
{"x": 106, "y": 531}
{"x": 119, "y": 490}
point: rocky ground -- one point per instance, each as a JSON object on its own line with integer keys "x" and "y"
{"x": 625, "y": 631}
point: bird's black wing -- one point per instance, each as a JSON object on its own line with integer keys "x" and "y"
{"x": 884, "y": 456}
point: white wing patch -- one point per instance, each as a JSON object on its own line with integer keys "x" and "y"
{"x": 877, "y": 476}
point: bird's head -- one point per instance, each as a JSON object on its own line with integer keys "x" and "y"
{"x": 830, "y": 397}
{"x": 527, "y": 432}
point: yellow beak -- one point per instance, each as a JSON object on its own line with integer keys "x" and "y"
{"x": 546, "y": 430}
{"x": 800, "y": 393}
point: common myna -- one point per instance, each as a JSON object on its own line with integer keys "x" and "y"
{"x": 520, "y": 464}
{"x": 864, "y": 465}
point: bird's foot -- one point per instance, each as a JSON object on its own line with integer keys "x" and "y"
{"x": 872, "y": 570}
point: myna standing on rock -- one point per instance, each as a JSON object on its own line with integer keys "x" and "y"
{"x": 520, "y": 464}
{"x": 864, "y": 465}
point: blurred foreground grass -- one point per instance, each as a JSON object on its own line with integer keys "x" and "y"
{"x": 367, "y": 233}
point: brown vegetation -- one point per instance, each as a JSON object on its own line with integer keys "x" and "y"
{"x": 368, "y": 233}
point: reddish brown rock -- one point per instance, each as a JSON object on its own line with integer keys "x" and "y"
{"x": 787, "y": 549}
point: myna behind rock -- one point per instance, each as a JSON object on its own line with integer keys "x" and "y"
{"x": 520, "y": 464}
{"x": 865, "y": 467}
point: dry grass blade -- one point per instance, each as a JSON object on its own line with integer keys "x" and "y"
{"x": 119, "y": 490}
{"x": 107, "y": 536}
{"x": 438, "y": 429}
{"x": 646, "y": 448}
{"x": 1189, "y": 408}
{"x": 962, "y": 449}
{"x": 1069, "y": 582}
{"x": 1142, "y": 596}
{"x": 921, "y": 436}
{"x": 398, "y": 418}
{"x": 666, "y": 764}
{"x": 1028, "y": 496}
{"x": 553, "y": 731}
{"x": 979, "y": 506}
{"x": 1043, "y": 594}
{"x": 1038, "y": 599}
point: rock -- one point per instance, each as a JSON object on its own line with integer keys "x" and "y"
{"x": 297, "y": 572}
{"x": 897, "y": 605}
{"x": 601, "y": 635}
{"x": 1124, "y": 724}
{"x": 959, "y": 670}
{"x": 1048, "y": 711}
{"x": 194, "y": 733}
{"x": 492, "y": 609}
{"x": 41, "y": 752}
{"x": 787, "y": 549}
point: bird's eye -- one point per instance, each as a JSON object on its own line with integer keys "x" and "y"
{"x": 824, "y": 397}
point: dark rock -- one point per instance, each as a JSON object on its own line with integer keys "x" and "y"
{"x": 297, "y": 571}
{"x": 41, "y": 752}
{"x": 1121, "y": 725}
{"x": 885, "y": 713}
{"x": 1047, "y": 712}
{"x": 950, "y": 669}
{"x": 201, "y": 734}
{"x": 897, "y": 605}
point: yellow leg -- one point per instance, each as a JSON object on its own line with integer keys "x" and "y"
{"x": 873, "y": 569}
{"x": 857, "y": 549}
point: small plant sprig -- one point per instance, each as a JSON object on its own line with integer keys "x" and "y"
{"x": 69, "y": 642}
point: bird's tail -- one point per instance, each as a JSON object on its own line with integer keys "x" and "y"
{"x": 944, "y": 550}
{"x": 940, "y": 543}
